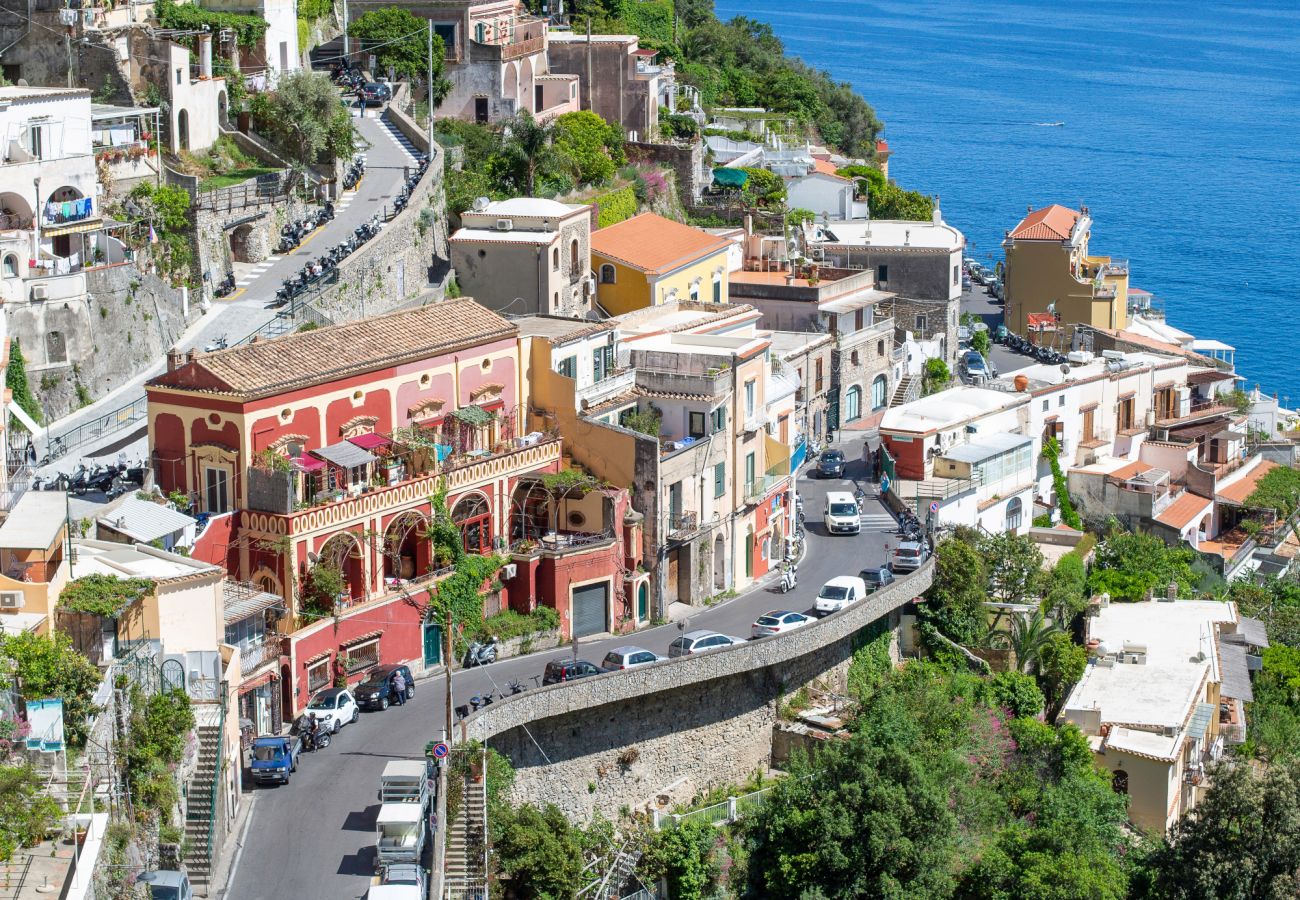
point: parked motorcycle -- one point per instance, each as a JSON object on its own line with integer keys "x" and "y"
{"x": 314, "y": 737}
{"x": 481, "y": 653}
{"x": 789, "y": 577}
{"x": 217, "y": 343}
{"x": 226, "y": 286}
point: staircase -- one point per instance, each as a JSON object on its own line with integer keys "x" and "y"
{"x": 199, "y": 814}
{"x": 463, "y": 866}
{"x": 907, "y": 390}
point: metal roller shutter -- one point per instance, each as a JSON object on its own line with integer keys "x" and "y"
{"x": 590, "y": 604}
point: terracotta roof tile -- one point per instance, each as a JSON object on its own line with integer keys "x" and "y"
{"x": 825, "y": 166}
{"x": 1239, "y": 490}
{"x": 295, "y": 361}
{"x": 1051, "y": 223}
{"x": 1124, "y": 473}
{"x": 654, "y": 244}
{"x": 1185, "y": 510}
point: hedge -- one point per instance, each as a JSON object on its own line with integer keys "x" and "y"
{"x": 615, "y": 207}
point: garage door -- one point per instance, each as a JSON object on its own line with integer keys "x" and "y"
{"x": 590, "y": 604}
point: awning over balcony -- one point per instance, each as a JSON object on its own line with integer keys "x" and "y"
{"x": 1236, "y": 673}
{"x": 244, "y": 600}
{"x": 308, "y": 463}
{"x": 88, "y": 225}
{"x": 473, "y": 415}
{"x": 370, "y": 441}
{"x": 345, "y": 455}
{"x": 1200, "y": 722}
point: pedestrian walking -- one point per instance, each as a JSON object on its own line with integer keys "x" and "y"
{"x": 869, "y": 461}
{"x": 399, "y": 689}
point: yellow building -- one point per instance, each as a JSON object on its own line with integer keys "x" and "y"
{"x": 1049, "y": 269}
{"x": 648, "y": 260}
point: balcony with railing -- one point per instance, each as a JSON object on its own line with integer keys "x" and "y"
{"x": 711, "y": 383}
{"x": 760, "y": 487}
{"x": 1197, "y": 409}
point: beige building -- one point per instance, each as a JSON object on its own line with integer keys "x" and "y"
{"x": 1050, "y": 274}
{"x": 526, "y": 256}
{"x": 1159, "y": 700}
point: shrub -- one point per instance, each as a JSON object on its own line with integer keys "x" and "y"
{"x": 616, "y": 206}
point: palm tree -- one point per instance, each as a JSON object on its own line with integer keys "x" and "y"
{"x": 528, "y": 149}
{"x": 1027, "y": 638}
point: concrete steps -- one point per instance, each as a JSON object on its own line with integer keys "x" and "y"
{"x": 468, "y": 834}
{"x": 907, "y": 390}
{"x": 198, "y": 809}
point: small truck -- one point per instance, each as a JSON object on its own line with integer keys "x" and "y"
{"x": 275, "y": 758}
{"x": 401, "y": 826}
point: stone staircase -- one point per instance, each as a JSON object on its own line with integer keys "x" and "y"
{"x": 463, "y": 866}
{"x": 907, "y": 390}
{"x": 198, "y": 809}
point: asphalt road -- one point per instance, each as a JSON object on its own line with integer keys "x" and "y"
{"x": 989, "y": 310}
{"x": 314, "y": 836}
{"x": 388, "y": 158}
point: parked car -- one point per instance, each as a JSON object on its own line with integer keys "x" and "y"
{"x": 375, "y": 94}
{"x": 167, "y": 884}
{"x": 628, "y": 658}
{"x": 376, "y": 692}
{"x": 973, "y": 365}
{"x": 966, "y": 283}
{"x": 994, "y": 286}
{"x": 842, "y": 513}
{"x": 778, "y": 621}
{"x": 876, "y": 578}
{"x": 701, "y": 642}
{"x": 909, "y": 556}
{"x": 567, "y": 669}
{"x": 830, "y": 464}
{"x": 334, "y": 708}
{"x": 400, "y": 882}
{"x": 838, "y": 593}
{"x": 275, "y": 758}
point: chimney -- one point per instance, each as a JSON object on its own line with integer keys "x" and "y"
{"x": 190, "y": 355}
{"x": 174, "y": 357}
{"x": 205, "y": 55}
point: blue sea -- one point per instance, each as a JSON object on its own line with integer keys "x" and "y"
{"x": 1182, "y": 135}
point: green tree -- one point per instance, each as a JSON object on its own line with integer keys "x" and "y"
{"x": 27, "y": 812}
{"x": 1014, "y": 565}
{"x": 593, "y": 147}
{"x": 1278, "y": 490}
{"x": 893, "y": 202}
{"x": 1015, "y": 692}
{"x": 935, "y": 375}
{"x": 1128, "y": 564}
{"x": 865, "y": 178}
{"x": 1066, "y": 593}
{"x": 49, "y": 667}
{"x": 16, "y": 381}
{"x": 979, "y": 342}
{"x": 1027, "y": 638}
{"x": 955, "y": 600}
{"x": 400, "y": 39}
{"x": 684, "y": 856}
{"x": 799, "y": 215}
{"x": 1274, "y": 716}
{"x": 541, "y": 852}
{"x": 1241, "y": 842}
{"x": 1060, "y": 664}
{"x": 528, "y": 150}
{"x": 1052, "y": 453}
{"x": 306, "y": 120}
{"x": 764, "y": 188}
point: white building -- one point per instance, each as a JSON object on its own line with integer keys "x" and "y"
{"x": 828, "y": 196}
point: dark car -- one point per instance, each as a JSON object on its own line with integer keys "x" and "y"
{"x": 376, "y": 692}
{"x": 830, "y": 464}
{"x": 558, "y": 670}
{"x": 876, "y": 578}
{"x": 374, "y": 93}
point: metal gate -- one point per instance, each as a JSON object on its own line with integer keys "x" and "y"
{"x": 173, "y": 675}
{"x": 432, "y": 644}
{"x": 590, "y": 605}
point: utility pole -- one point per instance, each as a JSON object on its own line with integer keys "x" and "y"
{"x": 428, "y": 87}
{"x": 446, "y": 660}
{"x": 347, "y": 60}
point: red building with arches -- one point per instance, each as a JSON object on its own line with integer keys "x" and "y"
{"x": 326, "y": 448}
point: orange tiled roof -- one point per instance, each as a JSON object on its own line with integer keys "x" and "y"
{"x": 825, "y": 166}
{"x": 295, "y": 361}
{"x": 1239, "y": 490}
{"x": 1124, "y": 473}
{"x": 654, "y": 244}
{"x": 1051, "y": 223}
{"x": 1185, "y": 510}
{"x": 882, "y": 147}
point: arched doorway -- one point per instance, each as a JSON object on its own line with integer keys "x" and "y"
{"x": 853, "y": 404}
{"x": 15, "y": 212}
{"x": 719, "y": 564}
{"x": 510, "y": 83}
{"x": 879, "y": 392}
{"x": 531, "y": 511}
{"x": 526, "y": 86}
{"x": 643, "y": 602}
{"x": 66, "y": 204}
{"x": 1015, "y": 511}
{"x": 1119, "y": 781}
{"x": 473, "y": 516}
{"x": 406, "y": 550}
{"x": 183, "y": 130}
{"x": 221, "y": 108}
{"x": 239, "y": 241}
{"x": 342, "y": 552}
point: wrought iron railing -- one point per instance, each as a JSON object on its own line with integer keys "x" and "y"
{"x": 122, "y": 417}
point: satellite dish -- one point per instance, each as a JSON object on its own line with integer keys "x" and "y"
{"x": 312, "y": 558}
{"x": 1065, "y": 368}
{"x": 481, "y": 204}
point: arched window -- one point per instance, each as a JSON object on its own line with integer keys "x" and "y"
{"x": 555, "y": 259}
{"x": 11, "y": 266}
{"x": 1119, "y": 781}
{"x": 573, "y": 257}
{"x": 853, "y": 404}
{"x": 608, "y": 274}
{"x": 1014, "y": 513}
{"x": 879, "y": 390}
{"x": 643, "y": 601}
{"x": 474, "y": 519}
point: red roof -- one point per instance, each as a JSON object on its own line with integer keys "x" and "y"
{"x": 882, "y": 148}
{"x": 824, "y": 166}
{"x": 1041, "y": 321}
{"x": 1186, "y": 509}
{"x": 1051, "y": 223}
{"x": 645, "y": 51}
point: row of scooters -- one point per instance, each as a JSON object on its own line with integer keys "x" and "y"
{"x": 348, "y": 77}
{"x": 292, "y": 234}
{"x": 412, "y": 180}
{"x": 1041, "y": 353}
{"x": 352, "y": 175}
{"x": 325, "y": 266}
{"x": 112, "y": 480}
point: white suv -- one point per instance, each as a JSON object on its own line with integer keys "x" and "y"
{"x": 334, "y": 708}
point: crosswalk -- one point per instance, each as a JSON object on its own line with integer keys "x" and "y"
{"x": 252, "y": 274}
{"x": 877, "y": 522}
{"x": 400, "y": 139}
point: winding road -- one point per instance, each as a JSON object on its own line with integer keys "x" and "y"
{"x": 314, "y": 836}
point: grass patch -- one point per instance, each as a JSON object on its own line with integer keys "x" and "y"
{"x": 230, "y": 179}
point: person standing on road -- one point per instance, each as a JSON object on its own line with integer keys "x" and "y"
{"x": 868, "y": 461}
{"x": 399, "y": 689}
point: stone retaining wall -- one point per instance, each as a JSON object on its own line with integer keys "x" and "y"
{"x": 616, "y": 740}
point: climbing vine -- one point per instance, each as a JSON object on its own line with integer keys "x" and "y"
{"x": 460, "y": 595}
{"x": 103, "y": 595}
{"x": 248, "y": 29}
{"x": 1052, "y": 453}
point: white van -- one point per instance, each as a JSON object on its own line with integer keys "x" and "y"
{"x": 842, "y": 513}
{"x": 839, "y": 592}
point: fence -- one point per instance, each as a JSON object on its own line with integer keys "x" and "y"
{"x": 122, "y": 417}
{"x": 268, "y": 189}
{"x": 723, "y": 813}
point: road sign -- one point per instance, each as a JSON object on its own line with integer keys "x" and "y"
{"x": 934, "y": 506}
{"x": 440, "y": 750}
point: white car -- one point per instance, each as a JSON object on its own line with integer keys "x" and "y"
{"x": 778, "y": 621}
{"x": 839, "y": 592}
{"x": 334, "y": 708}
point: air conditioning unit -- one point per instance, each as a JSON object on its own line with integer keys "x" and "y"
{"x": 818, "y": 254}
{"x": 1115, "y": 355}
{"x": 12, "y": 600}
{"x": 39, "y": 292}
{"x": 509, "y": 571}
{"x": 505, "y": 224}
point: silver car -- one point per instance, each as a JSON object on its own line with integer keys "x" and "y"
{"x": 701, "y": 642}
{"x": 628, "y": 658}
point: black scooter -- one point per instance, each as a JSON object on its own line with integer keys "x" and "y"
{"x": 314, "y": 737}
